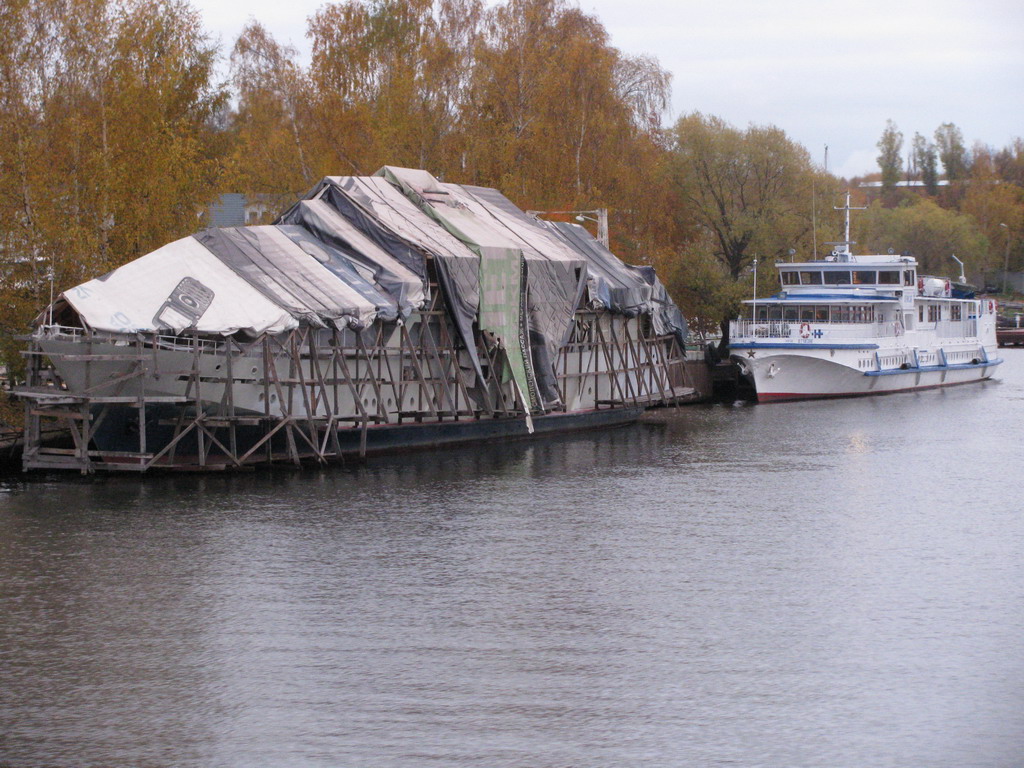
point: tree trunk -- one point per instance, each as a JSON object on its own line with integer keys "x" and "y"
{"x": 723, "y": 345}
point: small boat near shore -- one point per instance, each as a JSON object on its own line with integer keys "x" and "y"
{"x": 849, "y": 326}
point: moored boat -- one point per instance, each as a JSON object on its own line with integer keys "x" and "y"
{"x": 379, "y": 313}
{"x": 849, "y": 326}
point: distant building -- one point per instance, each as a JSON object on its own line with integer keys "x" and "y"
{"x": 227, "y": 211}
{"x": 873, "y": 189}
{"x": 233, "y": 209}
{"x": 914, "y": 184}
{"x": 263, "y": 208}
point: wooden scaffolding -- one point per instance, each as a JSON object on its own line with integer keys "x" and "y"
{"x": 321, "y": 390}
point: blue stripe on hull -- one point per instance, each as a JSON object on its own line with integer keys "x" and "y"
{"x": 934, "y": 368}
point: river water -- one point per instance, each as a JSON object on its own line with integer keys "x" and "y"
{"x": 807, "y": 584}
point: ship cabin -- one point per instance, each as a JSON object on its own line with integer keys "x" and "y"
{"x": 827, "y": 302}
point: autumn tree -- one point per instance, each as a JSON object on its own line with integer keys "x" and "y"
{"x": 271, "y": 125}
{"x": 561, "y": 119}
{"x": 926, "y": 160}
{"x": 952, "y": 152}
{"x": 919, "y": 227}
{"x": 890, "y": 159}
{"x": 527, "y": 96}
{"x": 750, "y": 193}
{"x": 1009, "y": 162}
{"x": 105, "y": 149}
{"x": 389, "y": 79}
{"x": 996, "y": 206}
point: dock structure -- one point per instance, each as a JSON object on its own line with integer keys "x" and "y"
{"x": 1010, "y": 336}
{"x": 380, "y": 314}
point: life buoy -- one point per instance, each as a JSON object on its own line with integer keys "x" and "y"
{"x": 991, "y": 307}
{"x": 805, "y": 330}
{"x": 920, "y": 285}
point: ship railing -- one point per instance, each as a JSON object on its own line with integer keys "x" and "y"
{"x": 789, "y": 330}
{"x": 60, "y": 332}
{"x": 957, "y": 329}
{"x": 163, "y": 341}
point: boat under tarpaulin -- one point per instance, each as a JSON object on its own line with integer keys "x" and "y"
{"x": 374, "y": 305}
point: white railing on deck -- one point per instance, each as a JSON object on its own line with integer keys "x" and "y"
{"x": 163, "y": 341}
{"x": 956, "y": 329}
{"x": 786, "y": 330}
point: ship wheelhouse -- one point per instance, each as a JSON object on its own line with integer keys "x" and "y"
{"x": 831, "y": 275}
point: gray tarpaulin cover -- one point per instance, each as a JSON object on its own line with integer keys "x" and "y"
{"x": 623, "y": 288}
{"x": 355, "y": 252}
{"x": 555, "y": 278}
{"x": 500, "y": 271}
{"x": 362, "y": 254}
{"x": 384, "y": 215}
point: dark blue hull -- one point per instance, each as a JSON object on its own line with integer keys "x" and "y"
{"x": 118, "y": 436}
{"x": 392, "y": 438}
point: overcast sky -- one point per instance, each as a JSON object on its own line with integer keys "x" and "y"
{"x": 825, "y": 72}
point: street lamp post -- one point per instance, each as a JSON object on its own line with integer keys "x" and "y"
{"x": 599, "y": 216}
{"x": 753, "y": 304}
{"x": 601, "y": 221}
{"x": 1006, "y": 257}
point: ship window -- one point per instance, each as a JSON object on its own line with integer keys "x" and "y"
{"x": 790, "y": 278}
{"x": 954, "y": 312}
{"x": 837, "y": 278}
{"x": 762, "y": 313}
{"x": 888, "y": 277}
{"x": 810, "y": 278}
{"x": 792, "y": 313}
{"x": 821, "y": 314}
{"x": 775, "y": 312}
{"x": 862, "y": 277}
{"x": 933, "y": 313}
{"x": 908, "y": 277}
{"x": 807, "y": 314}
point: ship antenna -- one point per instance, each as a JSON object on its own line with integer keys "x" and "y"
{"x": 814, "y": 221}
{"x": 843, "y": 252}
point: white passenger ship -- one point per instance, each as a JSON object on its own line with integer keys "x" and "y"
{"x": 861, "y": 325}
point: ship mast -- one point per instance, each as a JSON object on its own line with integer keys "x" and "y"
{"x": 842, "y": 251}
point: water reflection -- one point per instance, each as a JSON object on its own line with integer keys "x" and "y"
{"x": 798, "y": 584}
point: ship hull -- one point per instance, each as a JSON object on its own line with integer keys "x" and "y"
{"x": 146, "y": 403}
{"x": 786, "y": 377}
{"x": 116, "y": 438}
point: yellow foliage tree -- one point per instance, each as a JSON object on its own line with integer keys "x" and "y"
{"x": 104, "y": 140}
{"x": 746, "y": 194}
